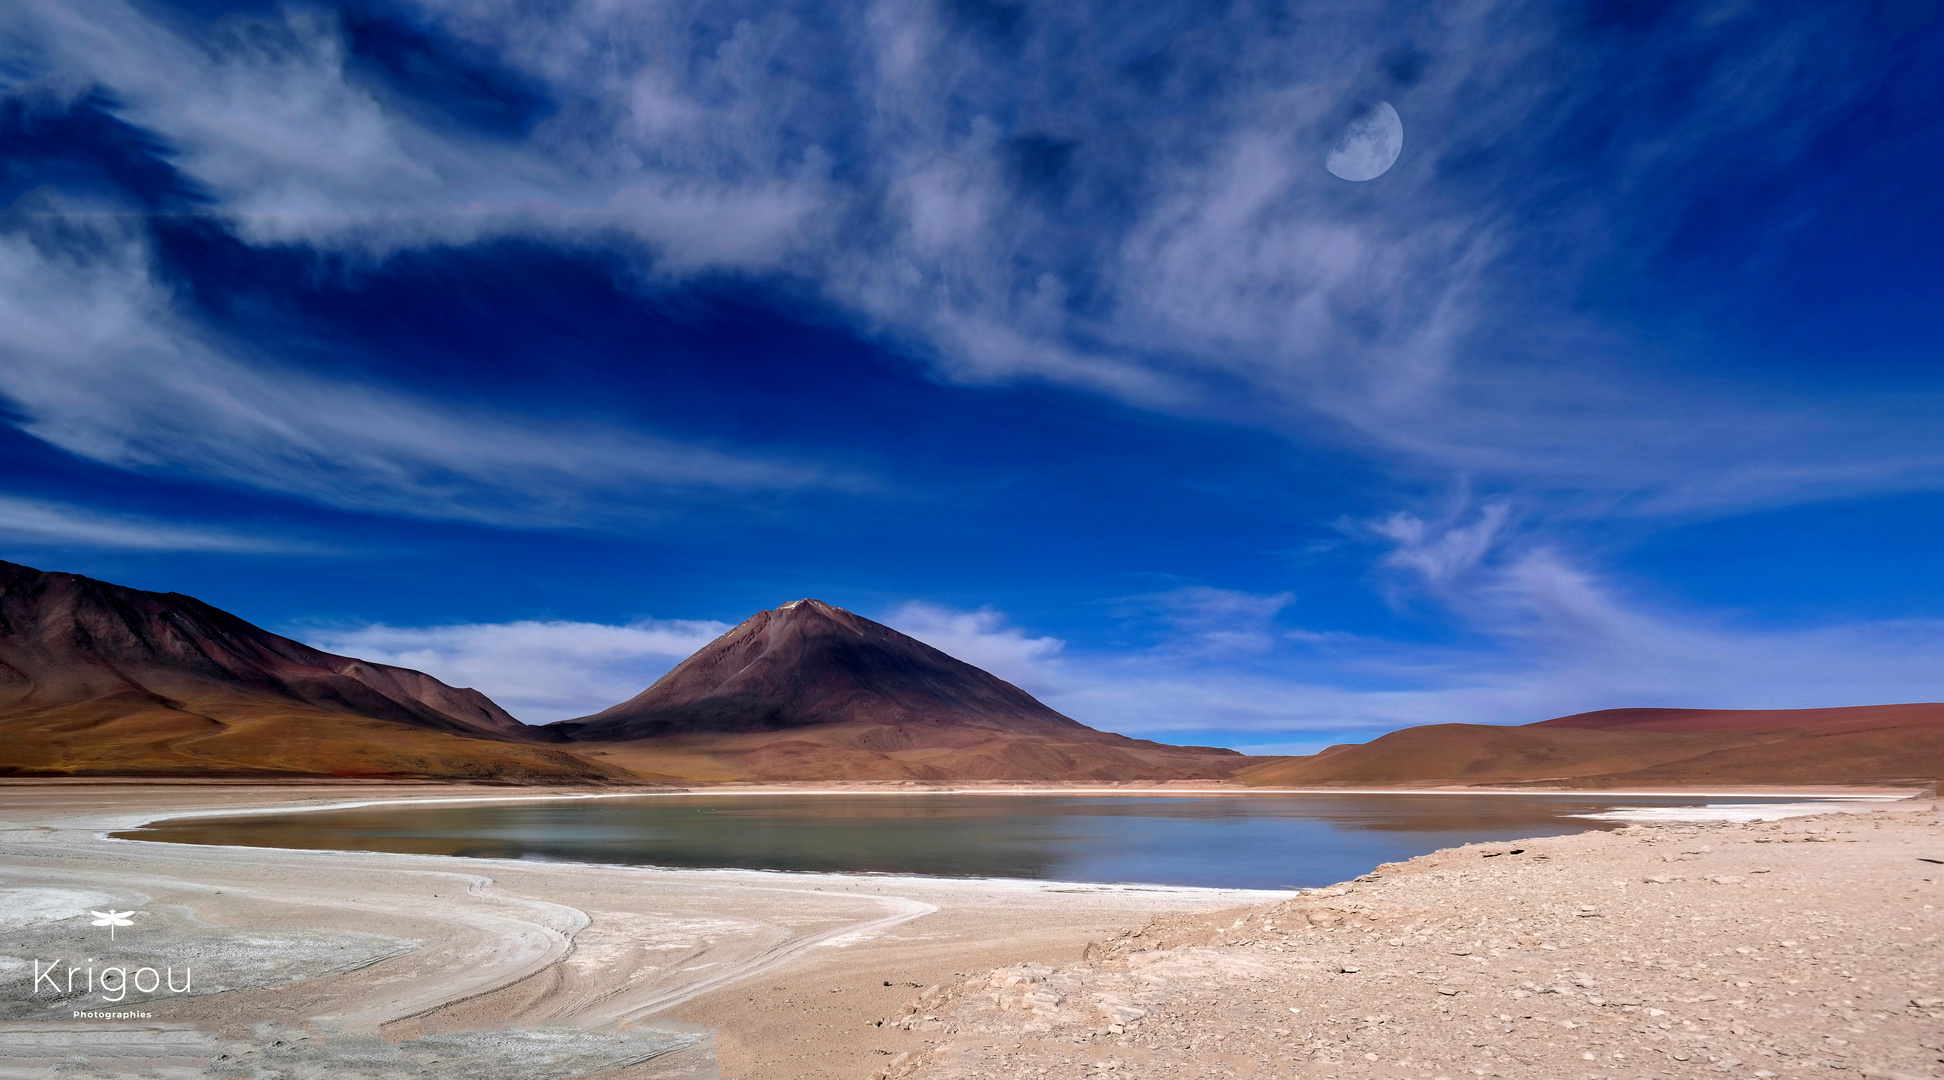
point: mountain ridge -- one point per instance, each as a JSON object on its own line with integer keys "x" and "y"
{"x": 97, "y": 677}
{"x": 64, "y": 635}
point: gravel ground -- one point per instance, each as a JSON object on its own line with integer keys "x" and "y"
{"x": 1802, "y": 948}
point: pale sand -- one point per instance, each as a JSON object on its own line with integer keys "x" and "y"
{"x": 460, "y": 962}
{"x": 1803, "y": 948}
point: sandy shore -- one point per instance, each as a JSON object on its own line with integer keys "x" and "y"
{"x": 1801, "y": 948}
{"x": 356, "y": 964}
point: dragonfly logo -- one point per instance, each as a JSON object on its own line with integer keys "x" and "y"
{"x": 67, "y": 979}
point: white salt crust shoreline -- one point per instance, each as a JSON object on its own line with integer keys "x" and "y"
{"x": 1789, "y": 795}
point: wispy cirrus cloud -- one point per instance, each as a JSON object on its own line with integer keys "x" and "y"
{"x": 1198, "y": 620}
{"x": 42, "y": 523}
{"x": 984, "y": 639}
{"x": 1438, "y": 556}
{"x": 97, "y": 361}
{"x": 1160, "y": 231}
{"x": 271, "y": 117}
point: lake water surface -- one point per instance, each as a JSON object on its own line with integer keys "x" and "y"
{"x": 1246, "y": 841}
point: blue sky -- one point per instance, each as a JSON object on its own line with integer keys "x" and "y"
{"x": 535, "y": 343}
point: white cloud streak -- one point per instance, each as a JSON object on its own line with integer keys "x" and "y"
{"x": 985, "y": 640}
{"x": 95, "y": 360}
{"x": 1212, "y": 623}
{"x": 264, "y": 116}
{"x": 39, "y": 523}
{"x": 1440, "y": 557}
{"x": 538, "y": 670}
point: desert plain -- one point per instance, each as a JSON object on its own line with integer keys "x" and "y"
{"x": 1807, "y": 946}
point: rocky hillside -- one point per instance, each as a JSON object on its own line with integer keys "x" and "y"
{"x": 97, "y": 677}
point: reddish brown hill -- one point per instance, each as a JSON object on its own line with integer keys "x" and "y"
{"x": 96, "y": 677}
{"x": 811, "y": 691}
{"x": 1622, "y": 747}
{"x": 1752, "y": 720}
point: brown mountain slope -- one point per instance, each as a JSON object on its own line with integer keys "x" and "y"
{"x": 810, "y": 691}
{"x": 97, "y": 678}
{"x": 1623, "y": 747}
{"x": 1851, "y": 717}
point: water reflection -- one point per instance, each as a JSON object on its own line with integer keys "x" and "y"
{"x": 1255, "y": 841}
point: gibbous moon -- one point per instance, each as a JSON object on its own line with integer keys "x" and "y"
{"x": 1369, "y": 146}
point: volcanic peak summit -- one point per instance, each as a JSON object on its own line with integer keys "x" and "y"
{"x": 809, "y": 663}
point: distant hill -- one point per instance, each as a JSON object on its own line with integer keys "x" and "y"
{"x": 811, "y": 691}
{"x": 1617, "y": 748}
{"x": 99, "y": 678}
